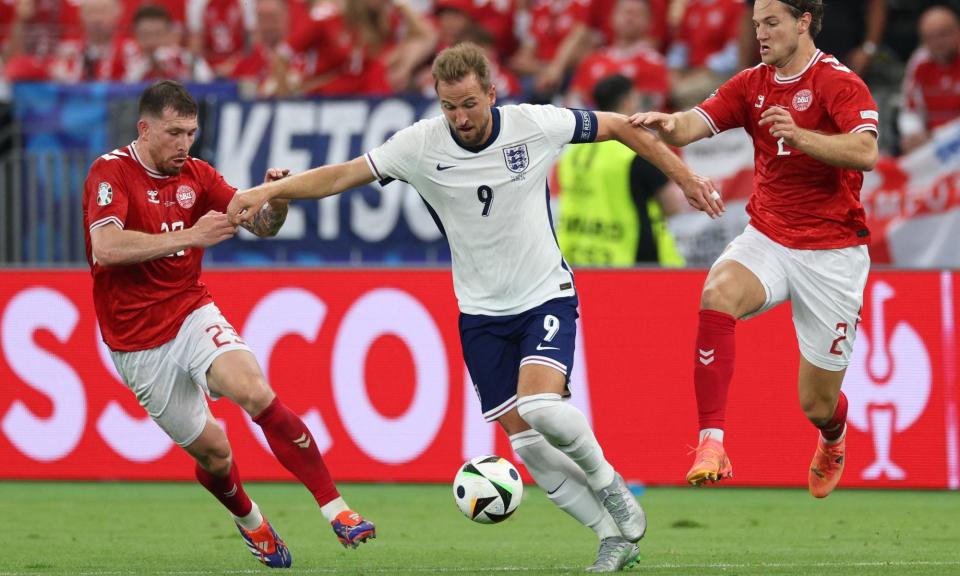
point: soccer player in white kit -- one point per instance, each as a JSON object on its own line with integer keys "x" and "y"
{"x": 482, "y": 170}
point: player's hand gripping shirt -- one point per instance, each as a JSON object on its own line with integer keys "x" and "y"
{"x": 797, "y": 200}
{"x": 492, "y": 202}
{"x": 142, "y": 305}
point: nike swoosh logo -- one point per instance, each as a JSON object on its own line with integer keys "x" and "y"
{"x": 442, "y": 168}
{"x": 558, "y": 487}
{"x": 542, "y": 347}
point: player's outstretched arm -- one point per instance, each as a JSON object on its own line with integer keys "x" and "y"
{"x": 677, "y": 129}
{"x": 314, "y": 183}
{"x": 856, "y": 151}
{"x": 700, "y": 192}
{"x": 113, "y": 246}
{"x": 268, "y": 220}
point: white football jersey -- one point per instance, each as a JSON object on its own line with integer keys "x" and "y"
{"x": 492, "y": 202}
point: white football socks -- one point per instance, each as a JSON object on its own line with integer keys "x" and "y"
{"x": 566, "y": 428}
{"x": 715, "y": 433}
{"x": 333, "y": 507}
{"x": 564, "y": 482}
{"x": 251, "y": 521}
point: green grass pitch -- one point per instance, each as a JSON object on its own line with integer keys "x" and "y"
{"x": 179, "y": 530}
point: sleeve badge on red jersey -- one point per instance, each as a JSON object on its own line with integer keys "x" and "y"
{"x": 104, "y": 194}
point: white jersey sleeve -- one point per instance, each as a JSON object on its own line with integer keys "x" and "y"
{"x": 563, "y": 125}
{"x": 398, "y": 157}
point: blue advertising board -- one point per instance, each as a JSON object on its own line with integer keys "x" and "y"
{"x": 369, "y": 225}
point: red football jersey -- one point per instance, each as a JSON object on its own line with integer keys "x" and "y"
{"x": 224, "y": 25}
{"x": 932, "y": 90}
{"x": 335, "y": 61}
{"x": 641, "y": 64}
{"x": 141, "y": 306}
{"x": 658, "y": 29}
{"x": 498, "y": 17}
{"x": 709, "y": 27}
{"x": 76, "y": 61}
{"x": 798, "y": 201}
{"x": 552, "y": 20}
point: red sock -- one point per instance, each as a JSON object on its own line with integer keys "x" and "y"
{"x": 834, "y": 428}
{"x": 294, "y": 447}
{"x": 713, "y": 366}
{"x": 228, "y": 490}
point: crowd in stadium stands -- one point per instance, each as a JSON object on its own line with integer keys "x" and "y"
{"x": 676, "y": 51}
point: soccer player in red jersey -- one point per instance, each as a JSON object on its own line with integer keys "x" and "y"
{"x": 814, "y": 127}
{"x": 149, "y": 211}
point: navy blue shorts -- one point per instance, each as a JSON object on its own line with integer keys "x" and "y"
{"x": 495, "y": 347}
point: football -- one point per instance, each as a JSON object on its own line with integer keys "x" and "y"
{"x": 487, "y": 489}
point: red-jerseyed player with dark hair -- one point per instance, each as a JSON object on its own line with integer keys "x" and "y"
{"x": 150, "y": 210}
{"x": 814, "y": 128}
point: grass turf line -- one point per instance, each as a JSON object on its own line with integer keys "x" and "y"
{"x": 104, "y": 529}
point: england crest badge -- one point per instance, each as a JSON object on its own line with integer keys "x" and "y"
{"x": 517, "y": 158}
{"x": 104, "y": 194}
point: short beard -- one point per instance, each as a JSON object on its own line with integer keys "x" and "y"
{"x": 481, "y": 130}
{"x": 172, "y": 170}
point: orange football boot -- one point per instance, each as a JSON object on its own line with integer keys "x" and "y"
{"x": 827, "y": 466}
{"x": 711, "y": 463}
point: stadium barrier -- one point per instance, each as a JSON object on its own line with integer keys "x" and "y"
{"x": 912, "y": 202}
{"x": 371, "y": 360}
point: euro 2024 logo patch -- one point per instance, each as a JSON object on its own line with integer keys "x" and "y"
{"x": 104, "y": 194}
{"x": 517, "y": 158}
{"x": 802, "y": 100}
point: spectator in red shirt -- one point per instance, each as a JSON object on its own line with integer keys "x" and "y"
{"x": 175, "y": 8}
{"x": 705, "y": 49}
{"x": 219, "y": 31}
{"x": 255, "y": 71}
{"x": 366, "y": 47}
{"x": 33, "y": 30}
{"x": 931, "y": 87}
{"x": 499, "y": 18}
{"x": 94, "y": 54}
{"x": 630, "y": 55}
{"x": 8, "y": 13}
{"x": 155, "y": 52}
{"x": 658, "y": 30}
{"x": 452, "y": 18}
{"x": 507, "y": 83}
{"x": 558, "y": 38}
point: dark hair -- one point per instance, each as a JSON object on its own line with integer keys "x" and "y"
{"x": 814, "y": 7}
{"x": 610, "y": 91}
{"x": 151, "y": 12}
{"x": 165, "y": 94}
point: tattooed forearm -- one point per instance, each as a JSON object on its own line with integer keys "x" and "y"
{"x": 268, "y": 220}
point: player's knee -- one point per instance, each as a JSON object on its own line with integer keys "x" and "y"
{"x": 717, "y": 297}
{"x": 536, "y": 410}
{"x": 817, "y": 410}
{"x": 216, "y": 459}
{"x": 254, "y": 394}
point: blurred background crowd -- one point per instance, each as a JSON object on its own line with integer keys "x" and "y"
{"x": 300, "y": 83}
{"x": 675, "y": 51}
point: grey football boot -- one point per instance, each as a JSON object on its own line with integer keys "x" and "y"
{"x": 615, "y": 554}
{"x": 626, "y": 512}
